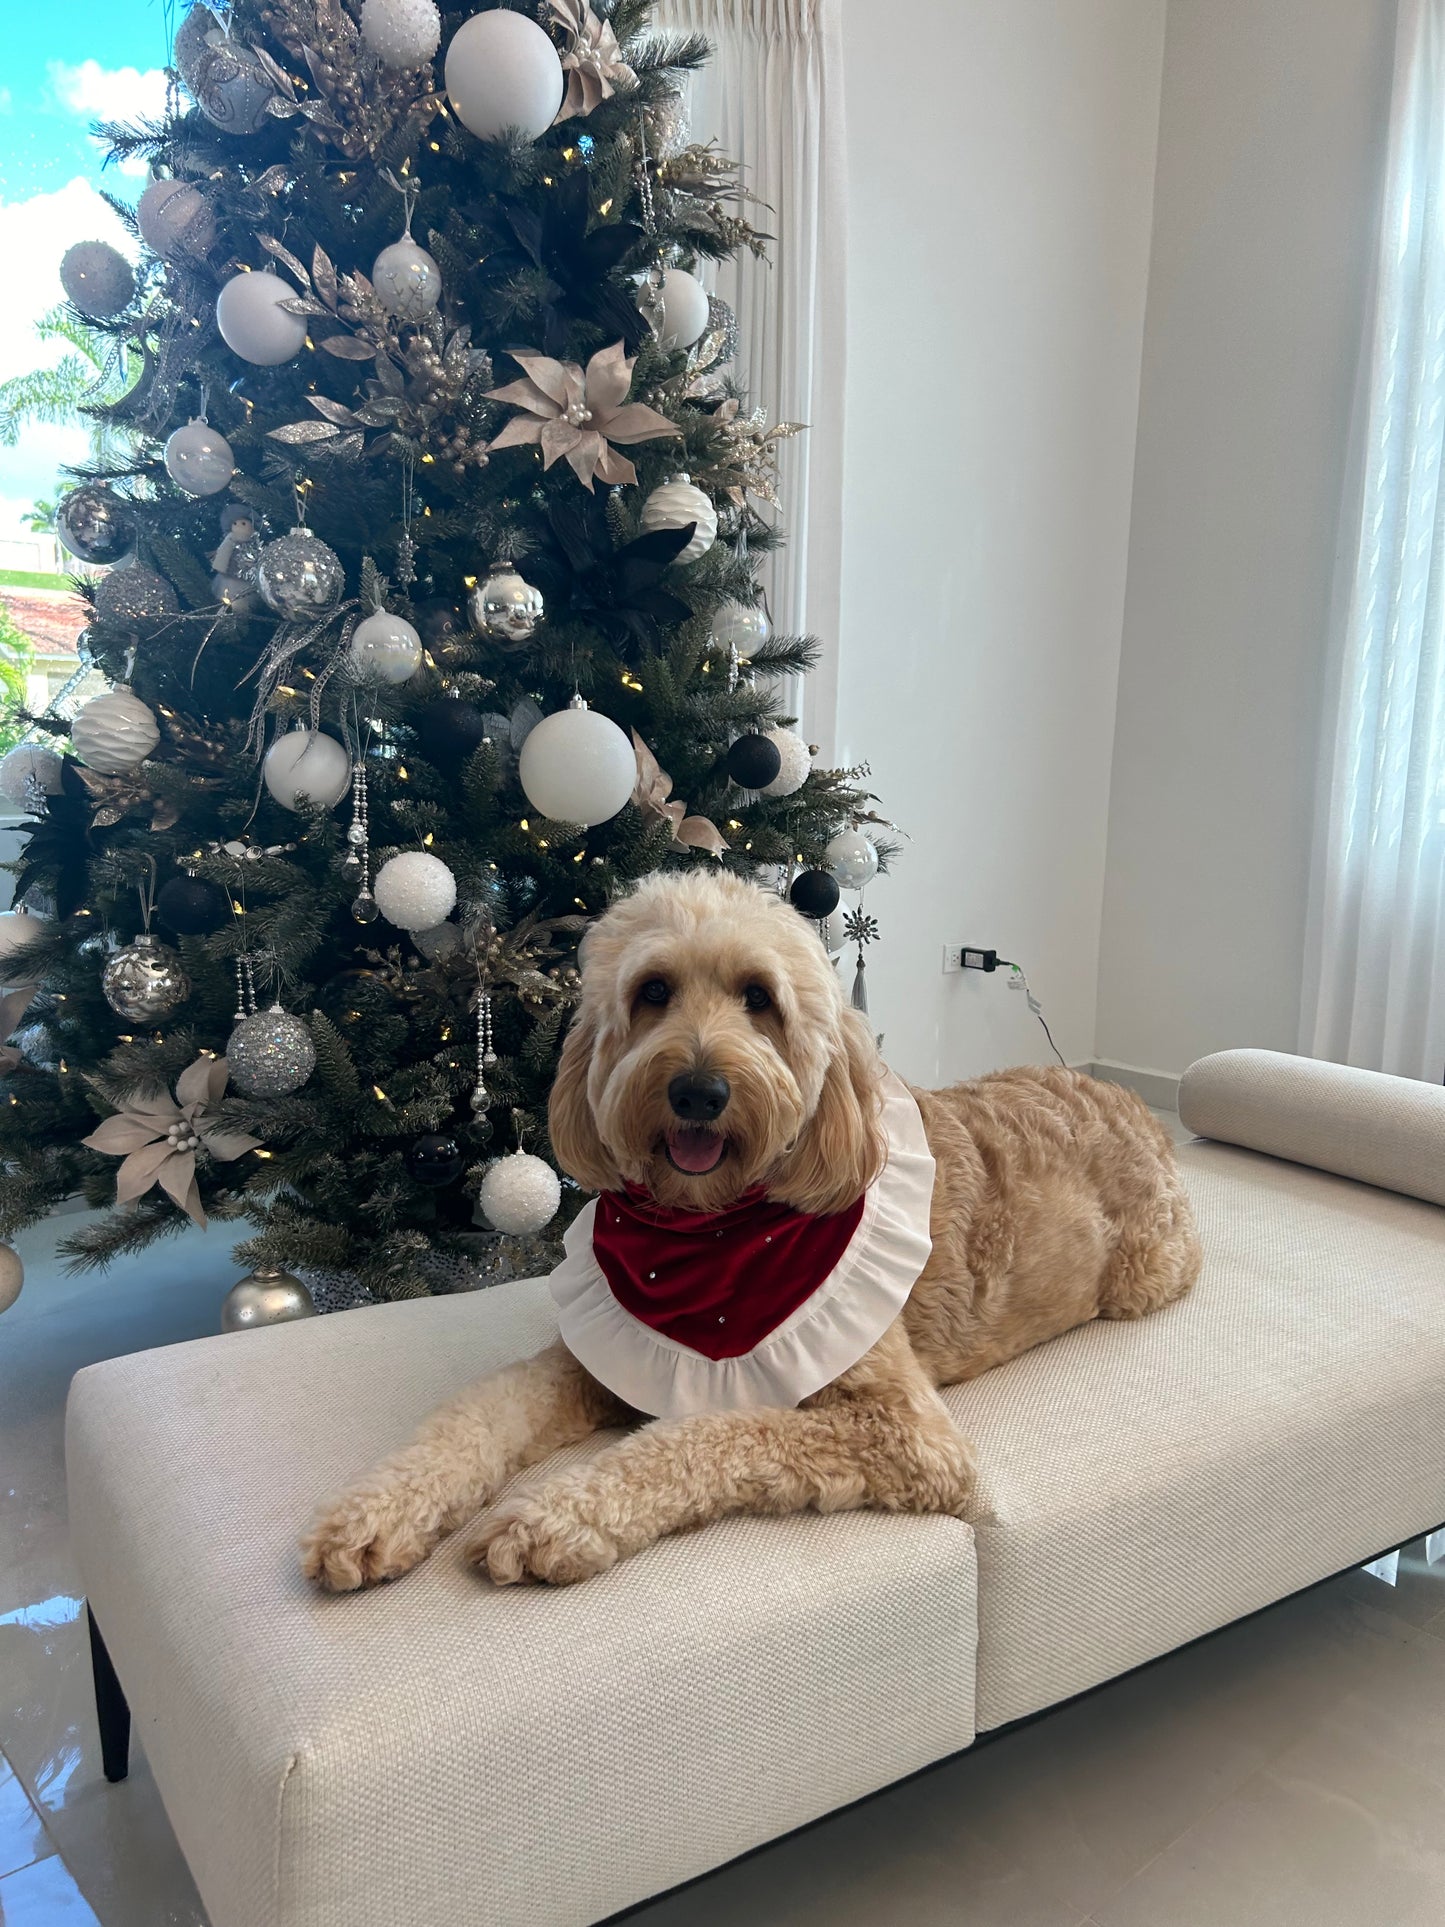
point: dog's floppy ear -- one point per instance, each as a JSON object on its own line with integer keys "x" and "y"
{"x": 570, "y": 1123}
{"x": 841, "y": 1149}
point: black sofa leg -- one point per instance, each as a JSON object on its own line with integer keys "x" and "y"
{"x": 110, "y": 1707}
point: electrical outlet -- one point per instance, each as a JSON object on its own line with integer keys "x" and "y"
{"x": 952, "y": 957}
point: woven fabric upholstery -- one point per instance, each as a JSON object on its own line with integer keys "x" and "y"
{"x": 441, "y": 1751}
{"x": 1142, "y": 1483}
{"x": 1388, "y": 1131}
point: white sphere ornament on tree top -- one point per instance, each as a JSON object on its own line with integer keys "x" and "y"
{"x": 253, "y": 323}
{"x": 503, "y": 72}
{"x": 673, "y": 506}
{"x": 307, "y": 762}
{"x": 407, "y": 280}
{"x": 520, "y": 1194}
{"x": 12, "y": 1276}
{"x": 299, "y": 574}
{"x": 199, "y": 459}
{"x": 384, "y": 648}
{"x": 796, "y": 765}
{"x": 415, "y": 891}
{"x": 403, "y": 34}
{"x": 577, "y": 766}
{"x": 680, "y": 304}
{"x": 98, "y": 279}
{"x": 174, "y": 217}
{"x": 29, "y": 772}
{"x": 270, "y": 1053}
{"x": 114, "y": 732}
{"x": 852, "y": 859}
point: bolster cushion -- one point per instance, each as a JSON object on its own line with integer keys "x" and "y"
{"x": 1382, "y": 1130}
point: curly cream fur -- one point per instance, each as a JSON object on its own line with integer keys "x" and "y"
{"x": 1057, "y": 1200}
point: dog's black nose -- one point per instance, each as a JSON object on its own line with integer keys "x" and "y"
{"x": 698, "y": 1096}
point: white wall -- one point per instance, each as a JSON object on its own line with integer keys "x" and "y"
{"x": 1270, "y": 147}
{"x": 1001, "y": 166}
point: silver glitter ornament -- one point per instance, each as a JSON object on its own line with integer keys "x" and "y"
{"x": 134, "y": 595}
{"x": 270, "y": 1054}
{"x": 96, "y": 525}
{"x": 298, "y": 574}
{"x": 723, "y": 324}
{"x": 222, "y": 75}
{"x": 145, "y": 982}
{"x": 98, "y": 279}
{"x": 265, "y": 1297}
{"x": 505, "y": 606}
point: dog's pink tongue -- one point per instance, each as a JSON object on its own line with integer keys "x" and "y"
{"x": 695, "y": 1151}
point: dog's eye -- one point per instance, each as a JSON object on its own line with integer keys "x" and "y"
{"x": 756, "y": 998}
{"x": 655, "y": 991}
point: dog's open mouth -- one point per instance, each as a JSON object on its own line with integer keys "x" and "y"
{"x": 694, "y": 1149}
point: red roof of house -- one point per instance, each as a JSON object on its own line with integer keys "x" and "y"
{"x": 52, "y": 618}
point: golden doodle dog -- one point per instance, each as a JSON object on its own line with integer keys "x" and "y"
{"x": 791, "y": 1252}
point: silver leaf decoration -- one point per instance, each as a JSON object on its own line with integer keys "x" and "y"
{"x": 297, "y": 432}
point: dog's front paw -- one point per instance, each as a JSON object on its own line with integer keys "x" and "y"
{"x": 542, "y": 1535}
{"x": 366, "y": 1535}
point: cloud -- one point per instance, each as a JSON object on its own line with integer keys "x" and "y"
{"x": 111, "y": 93}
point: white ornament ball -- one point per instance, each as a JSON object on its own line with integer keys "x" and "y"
{"x": 415, "y": 891}
{"x": 403, "y": 34}
{"x": 12, "y": 1276}
{"x": 407, "y": 280}
{"x": 852, "y": 860}
{"x": 199, "y": 459}
{"x": 673, "y": 506}
{"x": 307, "y": 762}
{"x": 98, "y": 279}
{"x": 253, "y": 323}
{"x": 174, "y": 217}
{"x": 27, "y": 768}
{"x": 577, "y": 766}
{"x": 743, "y": 626}
{"x": 17, "y": 929}
{"x": 385, "y": 648}
{"x": 114, "y": 732}
{"x": 520, "y": 1194}
{"x": 502, "y": 72}
{"x": 684, "y": 310}
{"x": 797, "y": 764}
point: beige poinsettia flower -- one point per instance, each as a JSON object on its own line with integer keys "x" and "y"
{"x": 576, "y": 415}
{"x": 592, "y": 60}
{"x": 159, "y": 1138}
{"x": 13, "y": 1006}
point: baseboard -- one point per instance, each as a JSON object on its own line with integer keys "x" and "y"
{"x": 1158, "y": 1088}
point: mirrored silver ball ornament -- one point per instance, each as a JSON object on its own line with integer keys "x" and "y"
{"x": 742, "y": 626}
{"x": 506, "y": 606}
{"x": 265, "y": 1297}
{"x": 96, "y": 525}
{"x": 134, "y": 595}
{"x": 384, "y": 648}
{"x": 199, "y": 459}
{"x": 98, "y": 279}
{"x": 407, "y": 280}
{"x": 298, "y": 574}
{"x": 145, "y": 982}
{"x": 852, "y": 859}
{"x": 270, "y": 1054}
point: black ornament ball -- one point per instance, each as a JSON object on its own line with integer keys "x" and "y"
{"x": 753, "y": 762}
{"x": 448, "y": 729}
{"x": 439, "y": 622}
{"x": 815, "y": 893}
{"x": 191, "y": 906}
{"x": 435, "y": 1159}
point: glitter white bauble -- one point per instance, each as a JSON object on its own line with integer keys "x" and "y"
{"x": 577, "y": 766}
{"x": 299, "y": 574}
{"x": 415, "y": 891}
{"x": 145, "y": 982}
{"x": 96, "y": 525}
{"x": 407, "y": 280}
{"x": 17, "y": 929}
{"x": 502, "y": 72}
{"x": 265, "y": 1297}
{"x": 683, "y": 302}
{"x": 270, "y": 1054}
{"x": 134, "y": 595}
{"x": 520, "y": 1194}
{"x": 174, "y": 217}
{"x": 403, "y": 34}
{"x": 852, "y": 859}
{"x": 98, "y": 279}
{"x": 12, "y": 1276}
{"x": 673, "y": 506}
{"x": 199, "y": 459}
{"x": 307, "y": 762}
{"x": 385, "y": 648}
{"x": 743, "y": 626}
{"x": 797, "y": 764}
{"x": 114, "y": 732}
{"x": 27, "y": 768}
{"x": 505, "y": 606}
{"x": 253, "y": 323}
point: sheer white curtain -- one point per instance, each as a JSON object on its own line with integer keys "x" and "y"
{"x": 1375, "y": 975}
{"x": 772, "y": 98}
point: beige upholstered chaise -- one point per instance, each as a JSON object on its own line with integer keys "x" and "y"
{"x": 440, "y": 1751}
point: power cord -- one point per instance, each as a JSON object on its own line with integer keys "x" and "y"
{"x": 1034, "y": 1005}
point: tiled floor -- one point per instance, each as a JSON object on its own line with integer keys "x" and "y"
{"x": 1289, "y": 1772}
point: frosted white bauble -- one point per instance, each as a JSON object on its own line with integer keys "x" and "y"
{"x": 199, "y": 459}
{"x": 307, "y": 762}
{"x": 253, "y": 323}
{"x": 684, "y": 310}
{"x": 174, "y": 217}
{"x": 415, "y": 891}
{"x": 403, "y": 34}
{"x": 520, "y": 1194}
{"x": 852, "y": 859}
{"x": 12, "y": 1276}
{"x": 385, "y": 648}
{"x": 577, "y": 766}
{"x": 503, "y": 72}
{"x": 17, "y": 928}
{"x": 743, "y": 626}
{"x": 797, "y": 764}
{"x": 114, "y": 732}
{"x": 408, "y": 282}
{"x": 673, "y": 506}
{"x": 24, "y": 769}
{"x": 97, "y": 278}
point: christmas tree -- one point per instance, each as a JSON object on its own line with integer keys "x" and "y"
{"x": 434, "y": 620}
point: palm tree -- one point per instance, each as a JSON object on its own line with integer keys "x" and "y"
{"x": 41, "y": 518}
{"x": 97, "y": 369}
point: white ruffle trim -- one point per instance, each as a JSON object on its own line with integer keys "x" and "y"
{"x": 831, "y": 1330}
